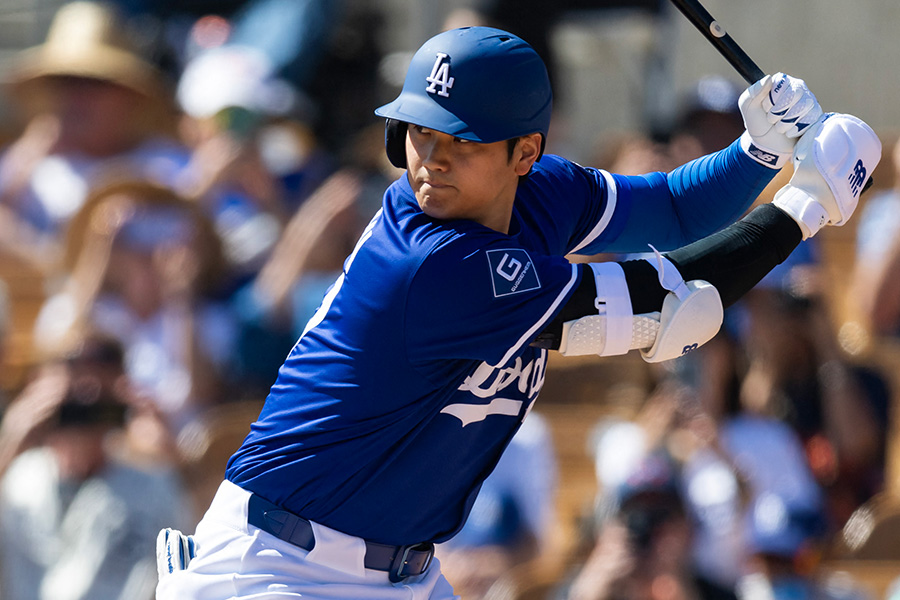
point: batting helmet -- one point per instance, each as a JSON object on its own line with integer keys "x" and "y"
{"x": 476, "y": 83}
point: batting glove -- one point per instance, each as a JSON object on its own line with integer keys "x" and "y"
{"x": 832, "y": 163}
{"x": 777, "y": 110}
{"x": 174, "y": 551}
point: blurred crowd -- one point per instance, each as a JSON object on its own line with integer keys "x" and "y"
{"x": 184, "y": 182}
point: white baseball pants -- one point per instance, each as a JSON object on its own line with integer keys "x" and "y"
{"x": 239, "y": 561}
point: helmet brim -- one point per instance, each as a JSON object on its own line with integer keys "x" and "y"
{"x": 425, "y": 112}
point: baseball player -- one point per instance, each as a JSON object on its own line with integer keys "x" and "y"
{"x": 430, "y": 348}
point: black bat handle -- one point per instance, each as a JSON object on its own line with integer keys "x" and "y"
{"x": 718, "y": 37}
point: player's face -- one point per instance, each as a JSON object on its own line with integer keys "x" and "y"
{"x": 459, "y": 179}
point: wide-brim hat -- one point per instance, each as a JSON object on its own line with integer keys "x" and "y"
{"x": 91, "y": 40}
{"x": 146, "y": 214}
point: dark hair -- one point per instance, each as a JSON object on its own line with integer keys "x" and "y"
{"x": 98, "y": 349}
{"x": 511, "y": 146}
{"x": 88, "y": 403}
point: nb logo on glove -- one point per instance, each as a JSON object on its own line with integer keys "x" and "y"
{"x": 763, "y": 156}
{"x": 857, "y": 177}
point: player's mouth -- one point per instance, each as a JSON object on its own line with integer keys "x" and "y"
{"x": 434, "y": 188}
{"x": 434, "y": 184}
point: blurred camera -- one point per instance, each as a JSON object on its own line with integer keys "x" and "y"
{"x": 643, "y": 522}
{"x": 88, "y": 403}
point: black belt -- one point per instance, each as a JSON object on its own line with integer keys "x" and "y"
{"x": 399, "y": 561}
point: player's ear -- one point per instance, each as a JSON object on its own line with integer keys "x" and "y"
{"x": 528, "y": 151}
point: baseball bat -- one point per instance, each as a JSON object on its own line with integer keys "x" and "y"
{"x": 727, "y": 47}
{"x": 719, "y": 38}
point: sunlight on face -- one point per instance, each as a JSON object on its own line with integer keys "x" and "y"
{"x": 459, "y": 179}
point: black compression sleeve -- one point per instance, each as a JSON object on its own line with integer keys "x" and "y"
{"x": 738, "y": 257}
{"x": 732, "y": 260}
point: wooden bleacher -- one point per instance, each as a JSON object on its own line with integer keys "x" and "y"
{"x": 26, "y": 288}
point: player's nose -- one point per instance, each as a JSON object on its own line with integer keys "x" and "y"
{"x": 436, "y": 151}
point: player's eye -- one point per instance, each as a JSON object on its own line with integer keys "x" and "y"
{"x": 421, "y": 130}
{"x": 461, "y": 141}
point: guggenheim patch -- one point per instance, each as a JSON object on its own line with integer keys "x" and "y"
{"x": 512, "y": 272}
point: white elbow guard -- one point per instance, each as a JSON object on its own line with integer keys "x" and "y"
{"x": 607, "y": 333}
{"x": 692, "y": 314}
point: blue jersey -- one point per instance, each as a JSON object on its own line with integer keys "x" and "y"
{"x": 416, "y": 371}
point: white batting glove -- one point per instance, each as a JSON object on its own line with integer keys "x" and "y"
{"x": 777, "y": 110}
{"x": 174, "y": 551}
{"x": 832, "y": 163}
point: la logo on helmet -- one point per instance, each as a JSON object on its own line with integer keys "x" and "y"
{"x": 440, "y": 76}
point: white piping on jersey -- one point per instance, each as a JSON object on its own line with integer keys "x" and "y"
{"x": 329, "y": 297}
{"x": 473, "y": 413}
{"x": 611, "y": 195}
{"x": 542, "y": 321}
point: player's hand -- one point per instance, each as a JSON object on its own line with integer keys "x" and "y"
{"x": 832, "y": 163}
{"x": 777, "y": 110}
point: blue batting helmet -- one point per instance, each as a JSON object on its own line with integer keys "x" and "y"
{"x": 476, "y": 83}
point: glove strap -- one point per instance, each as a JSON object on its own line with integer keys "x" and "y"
{"x": 773, "y": 160}
{"x": 808, "y": 212}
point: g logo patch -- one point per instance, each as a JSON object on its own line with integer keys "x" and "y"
{"x": 512, "y": 271}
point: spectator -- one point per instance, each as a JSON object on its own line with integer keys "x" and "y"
{"x": 94, "y": 108}
{"x": 512, "y": 519}
{"x": 276, "y": 305}
{"x": 255, "y": 158}
{"x": 84, "y": 521}
{"x": 232, "y": 93}
{"x": 874, "y": 289}
{"x": 766, "y": 394}
{"x": 707, "y": 119}
{"x": 728, "y": 456}
{"x": 142, "y": 261}
{"x": 643, "y": 550}
{"x": 710, "y": 489}
{"x": 327, "y": 50}
{"x": 751, "y": 457}
{"x": 293, "y": 34}
{"x": 785, "y": 542}
{"x": 797, "y": 372}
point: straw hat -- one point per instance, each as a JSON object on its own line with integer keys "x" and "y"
{"x": 89, "y": 39}
{"x": 146, "y": 213}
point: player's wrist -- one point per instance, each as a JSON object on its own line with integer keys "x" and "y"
{"x": 803, "y": 208}
{"x": 774, "y": 159}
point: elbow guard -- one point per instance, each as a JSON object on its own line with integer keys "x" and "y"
{"x": 691, "y": 315}
{"x": 687, "y": 321}
{"x": 609, "y": 332}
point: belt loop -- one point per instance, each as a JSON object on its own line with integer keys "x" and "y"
{"x": 282, "y": 523}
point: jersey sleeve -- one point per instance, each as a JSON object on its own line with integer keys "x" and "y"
{"x": 471, "y": 300}
{"x": 670, "y": 210}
